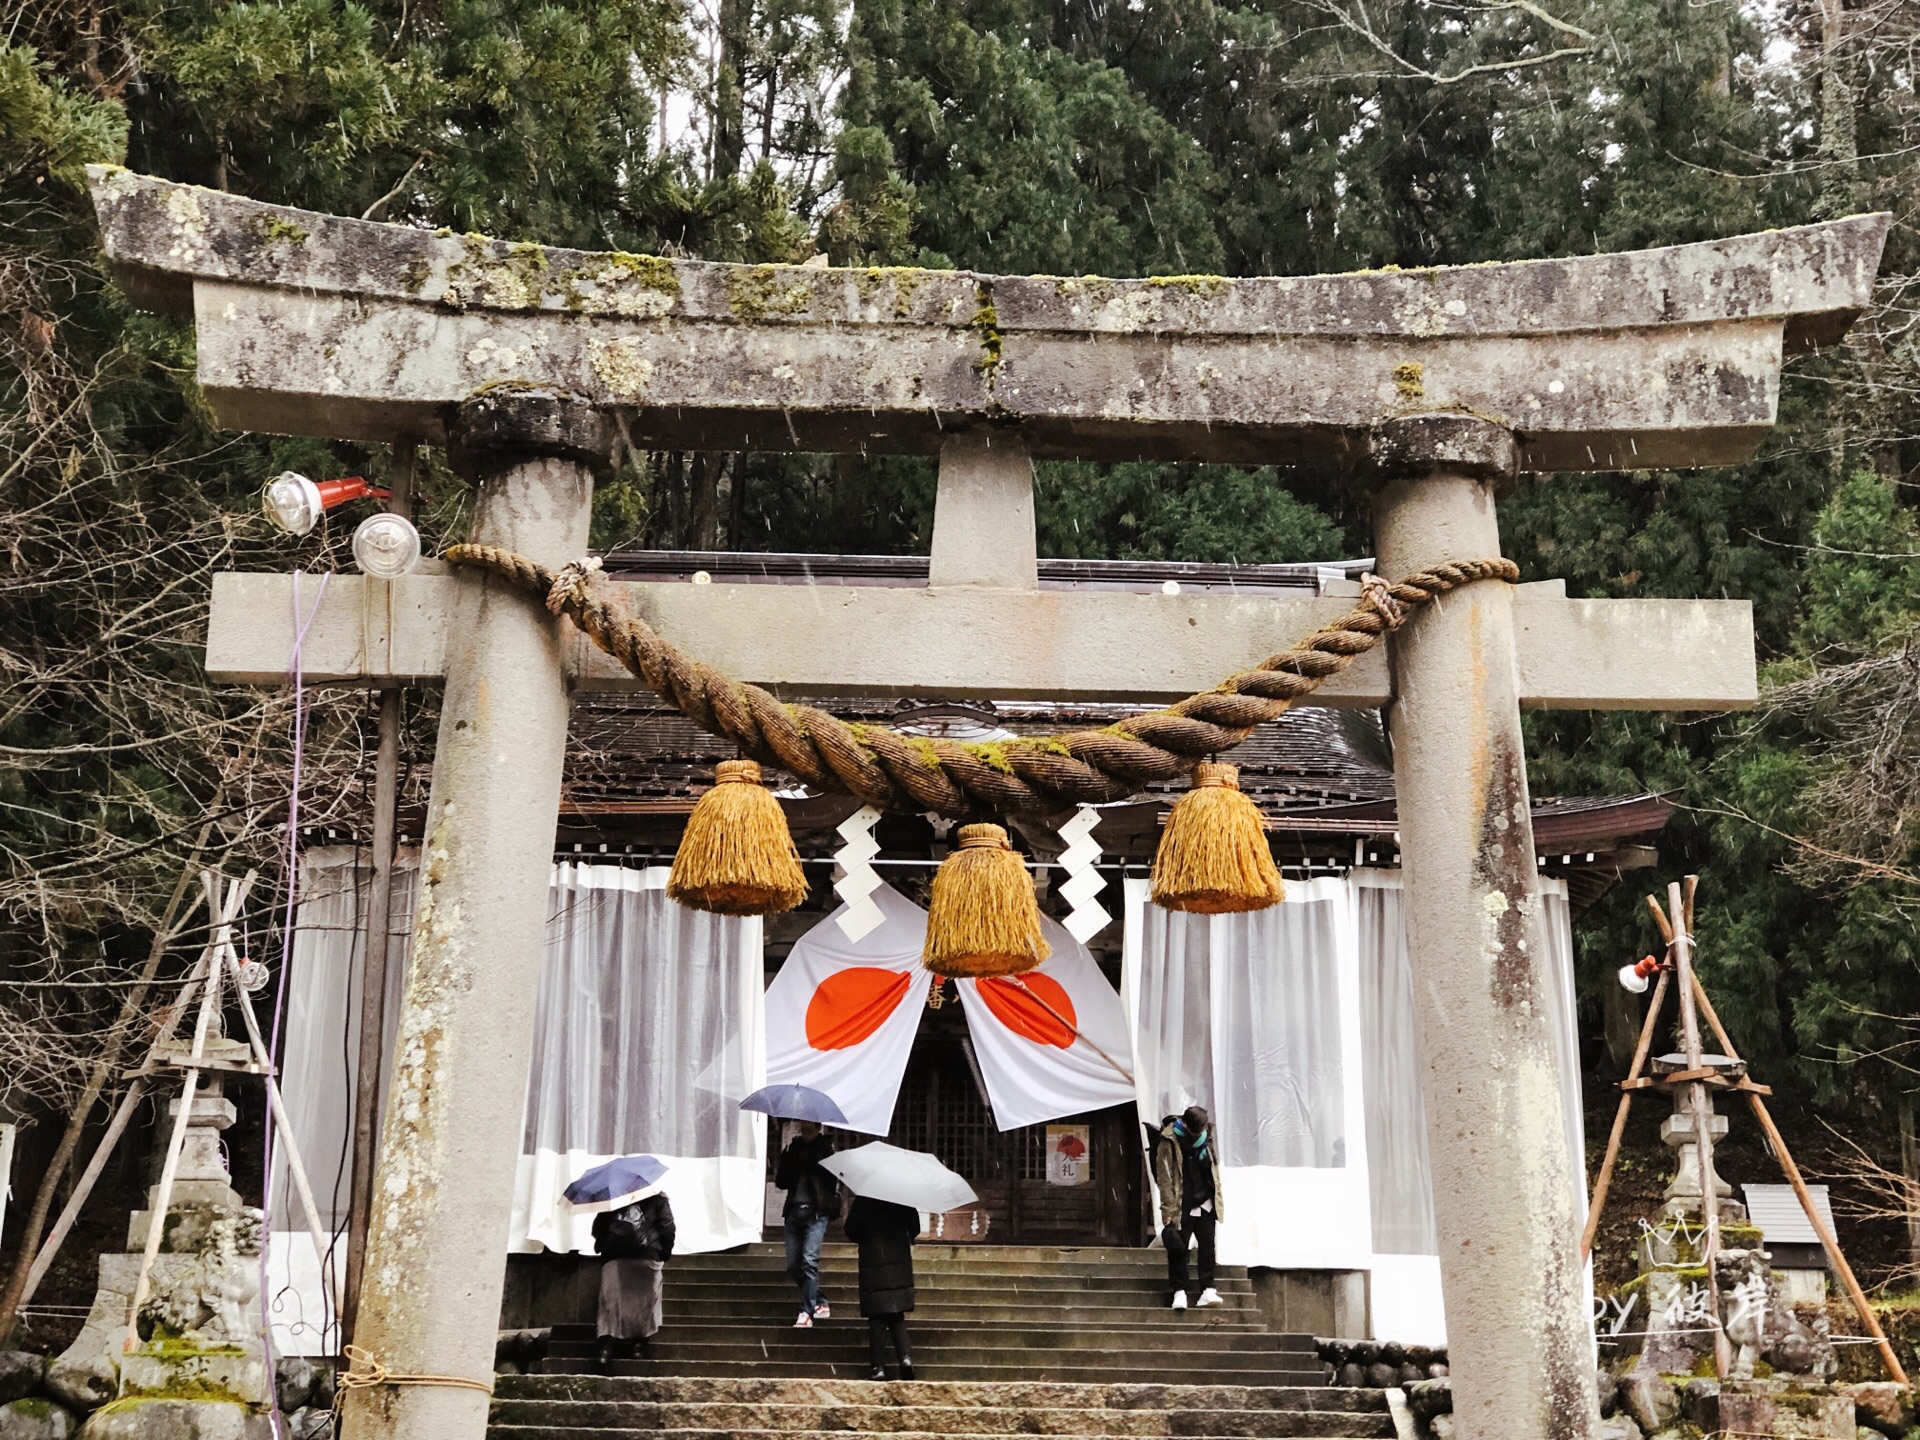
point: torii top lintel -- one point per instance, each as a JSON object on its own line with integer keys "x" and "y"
{"x": 321, "y": 325}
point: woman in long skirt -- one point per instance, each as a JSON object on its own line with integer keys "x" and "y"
{"x": 637, "y": 1241}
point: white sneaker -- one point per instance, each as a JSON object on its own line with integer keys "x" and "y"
{"x": 1208, "y": 1296}
{"x": 1179, "y": 1299}
{"x": 805, "y": 1322}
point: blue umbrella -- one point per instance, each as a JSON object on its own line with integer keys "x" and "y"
{"x": 623, "y": 1175}
{"x": 795, "y": 1102}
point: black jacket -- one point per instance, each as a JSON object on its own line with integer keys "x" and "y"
{"x": 640, "y": 1231}
{"x": 810, "y": 1187}
{"x": 885, "y": 1233}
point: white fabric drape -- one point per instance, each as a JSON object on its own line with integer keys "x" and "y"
{"x": 1400, "y": 1169}
{"x": 648, "y": 1033}
{"x": 1295, "y": 1027}
{"x": 319, "y": 1054}
{"x": 1256, "y": 1018}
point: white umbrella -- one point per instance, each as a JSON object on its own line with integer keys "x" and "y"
{"x": 907, "y": 1177}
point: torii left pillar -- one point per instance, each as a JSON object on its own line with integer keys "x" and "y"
{"x": 449, "y": 1150}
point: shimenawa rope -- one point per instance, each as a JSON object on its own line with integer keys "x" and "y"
{"x": 1033, "y": 775}
{"x": 364, "y": 1372}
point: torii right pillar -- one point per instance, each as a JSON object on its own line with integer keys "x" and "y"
{"x": 1489, "y": 1073}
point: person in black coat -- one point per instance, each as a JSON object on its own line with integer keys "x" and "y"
{"x": 885, "y": 1233}
{"x": 637, "y": 1241}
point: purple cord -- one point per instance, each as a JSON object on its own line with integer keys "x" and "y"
{"x": 288, "y": 876}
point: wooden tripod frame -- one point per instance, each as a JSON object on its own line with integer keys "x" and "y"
{"x": 1676, "y": 928}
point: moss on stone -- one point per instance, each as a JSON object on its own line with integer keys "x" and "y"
{"x": 905, "y": 280}
{"x": 653, "y": 272}
{"x": 277, "y": 230}
{"x": 986, "y": 325}
{"x": 1205, "y": 286}
{"x": 1410, "y": 380}
{"x": 763, "y": 292}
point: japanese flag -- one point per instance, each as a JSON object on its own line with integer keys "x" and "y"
{"x": 841, "y": 1014}
{"x": 1053, "y": 1041}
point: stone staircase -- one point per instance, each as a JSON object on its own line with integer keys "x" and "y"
{"x": 1007, "y": 1340}
{"x": 584, "y": 1407}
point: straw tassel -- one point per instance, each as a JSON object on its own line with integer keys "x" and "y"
{"x": 982, "y": 918}
{"x": 1213, "y": 857}
{"x": 737, "y": 857}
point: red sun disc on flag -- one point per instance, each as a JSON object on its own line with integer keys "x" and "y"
{"x": 1017, "y": 1004}
{"x": 849, "y": 1005}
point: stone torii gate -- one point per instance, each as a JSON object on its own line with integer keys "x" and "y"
{"x": 1439, "y": 386}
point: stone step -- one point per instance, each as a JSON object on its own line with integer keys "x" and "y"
{"x": 1107, "y": 1313}
{"x": 1168, "y": 1331}
{"x": 776, "y": 1419}
{"x": 1310, "y": 1426}
{"x": 1124, "y": 1395}
{"x": 1131, "y": 1371}
{"x": 935, "y": 1252}
{"x": 1037, "y": 1291}
{"x": 984, "y": 1339}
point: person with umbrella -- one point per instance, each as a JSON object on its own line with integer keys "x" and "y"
{"x": 891, "y": 1187}
{"x": 885, "y": 1233}
{"x": 1187, "y": 1172}
{"x": 635, "y": 1236}
{"x": 813, "y": 1195}
{"x": 813, "y": 1202}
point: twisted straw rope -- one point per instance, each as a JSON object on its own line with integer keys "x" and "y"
{"x": 1034, "y": 775}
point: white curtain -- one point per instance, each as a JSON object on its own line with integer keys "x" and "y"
{"x": 1400, "y": 1170}
{"x": 649, "y": 1032}
{"x": 648, "y": 1035}
{"x": 1255, "y": 1017}
{"x": 319, "y": 1054}
{"x": 1294, "y": 1026}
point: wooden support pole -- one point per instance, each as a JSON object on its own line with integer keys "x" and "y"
{"x": 1828, "y": 1241}
{"x": 1605, "y": 1182}
{"x": 1701, "y": 1109}
{"x": 373, "y": 964}
{"x": 163, "y": 1192}
{"x": 294, "y": 1163}
{"x": 24, "y": 1278}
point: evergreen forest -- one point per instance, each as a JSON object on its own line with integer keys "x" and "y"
{"x": 1118, "y": 137}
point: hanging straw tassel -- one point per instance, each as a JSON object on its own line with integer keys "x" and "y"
{"x": 1213, "y": 858}
{"x": 983, "y": 919}
{"x": 737, "y": 857}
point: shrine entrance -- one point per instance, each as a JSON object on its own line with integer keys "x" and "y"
{"x": 1433, "y": 389}
{"x": 1094, "y": 1197}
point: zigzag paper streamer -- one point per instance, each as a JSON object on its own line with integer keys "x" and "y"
{"x": 858, "y": 879}
{"x": 1083, "y": 886}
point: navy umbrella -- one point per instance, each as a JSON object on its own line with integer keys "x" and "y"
{"x": 622, "y": 1176}
{"x": 795, "y": 1102}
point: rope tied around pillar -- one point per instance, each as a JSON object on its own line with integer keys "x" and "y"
{"x": 365, "y": 1372}
{"x": 1038, "y": 776}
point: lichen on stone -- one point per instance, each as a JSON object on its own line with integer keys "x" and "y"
{"x": 497, "y": 275}
{"x": 986, "y": 325}
{"x": 1206, "y": 287}
{"x": 277, "y": 230}
{"x": 762, "y": 292}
